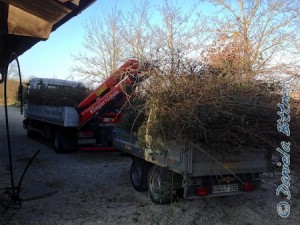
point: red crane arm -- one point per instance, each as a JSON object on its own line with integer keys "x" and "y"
{"x": 129, "y": 67}
{"x": 111, "y": 89}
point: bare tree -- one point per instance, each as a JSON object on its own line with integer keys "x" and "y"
{"x": 225, "y": 57}
{"x": 103, "y": 44}
{"x": 178, "y": 36}
{"x": 267, "y": 29}
{"x": 13, "y": 72}
{"x": 165, "y": 34}
{"x": 136, "y": 33}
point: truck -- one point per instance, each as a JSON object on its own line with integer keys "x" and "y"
{"x": 87, "y": 125}
{"x": 179, "y": 170}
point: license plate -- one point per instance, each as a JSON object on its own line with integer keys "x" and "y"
{"x": 225, "y": 188}
{"x": 87, "y": 141}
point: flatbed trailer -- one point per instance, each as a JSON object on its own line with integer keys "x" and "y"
{"x": 193, "y": 171}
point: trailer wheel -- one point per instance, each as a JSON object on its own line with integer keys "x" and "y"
{"x": 139, "y": 174}
{"x": 163, "y": 185}
{"x": 58, "y": 142}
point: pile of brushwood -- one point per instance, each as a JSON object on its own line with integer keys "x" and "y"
{"x": 207, "y": 110}
{"x": 60, "y": 96}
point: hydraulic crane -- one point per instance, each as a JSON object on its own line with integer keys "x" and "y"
{"x": 110, "y": 92}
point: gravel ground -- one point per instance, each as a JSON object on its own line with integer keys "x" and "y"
{"x": 94, "y": 188}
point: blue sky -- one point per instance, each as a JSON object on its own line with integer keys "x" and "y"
{"x": 53, "y": 58}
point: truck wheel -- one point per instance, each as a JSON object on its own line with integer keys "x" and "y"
{"x": 139, "y": 174}
{"x": 31, "y": 134}
{"x": 58, "y": 142}
{"x": 163, "y": 185}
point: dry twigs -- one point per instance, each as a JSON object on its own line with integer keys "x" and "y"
{"x": 61, "y": 96}
{"x": 208, "y": 110}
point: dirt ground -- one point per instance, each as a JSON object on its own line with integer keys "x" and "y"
{"x": 94, "y": 188}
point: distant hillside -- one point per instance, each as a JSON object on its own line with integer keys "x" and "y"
{"x": 12, "y": 90}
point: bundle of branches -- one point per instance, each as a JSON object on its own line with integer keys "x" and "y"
{"x": 134, "y": 114}
{"x": 60, "y": 96}
{"x": 210, "y": 110}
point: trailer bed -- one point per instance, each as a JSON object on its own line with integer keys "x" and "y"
{"x": 194, "y": 160}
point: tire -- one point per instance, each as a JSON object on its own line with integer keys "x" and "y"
{"x": 163, "y": 185}
{"x": 58, "y": 142}
{"x": 139, "y": 174}
{"x": 31, "y": 134}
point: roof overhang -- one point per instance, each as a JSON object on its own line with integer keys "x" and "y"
{"x": 23, "y": 23}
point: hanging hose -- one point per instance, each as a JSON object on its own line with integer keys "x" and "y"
{"x": 13, "y": 195}
{"x": 24, "y": 172}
